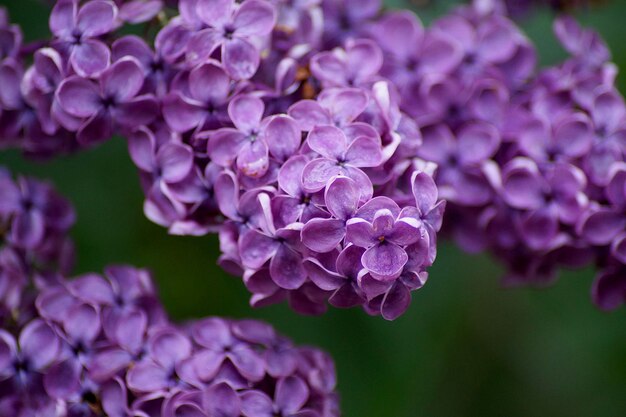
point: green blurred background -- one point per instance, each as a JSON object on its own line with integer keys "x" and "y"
{"x": 466, "y": 347}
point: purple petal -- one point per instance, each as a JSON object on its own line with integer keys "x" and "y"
{"x": 209, "y": 83}
{"x": 522, "y": 185}
{"x": 361, "y": 233}
{"x": 385, "y": 261}
{"x": 175, "y": 161}
{"x": 424, "y": 191}
{"x": 122, "y": 80}
{"x": 609, "y": 289}
{"x": 104, "y": 365}
{"x": 342, "y": 197}
{"x": 224, "y": 145}
{"x": 93, "y": 289}
{"x": 28, "y": 229}
{"x": 291, "y": 394}
{"x": 248, "y": 363}
{"x": 246, "y": 113}
{"x": 364, "y": 152}
{"x": 140, "y": 11}
{"x": 62, "y": 380}
{"x": 405, "y": 232}
{"x": 441, "y": 53}
{"x": 63, "y": 18}
{"x": 540, "y": 229}
{"x": 214, "y": 13}
{"x": 328, "y": 141}
{"x": 227, "y": 194}
{"x": 90, "y": 58}
{"x": 364, "y": 58}
{"x": 169, "y": 347}
{"x": 308, "y": 114}
{"x": 477, "y": 142}
{"x": 114, "y": 398}
{"x": 322, "y": 277}
{"x": 221, "y": 401}
{"x": 181, "y": 114}
{"x": 573, "y": 135}
{"x": 395, "y": 302}
{"x": 212, "y": 333}
{"x": 39, "y": 344}
{"x": 132, "y": 46}
{"x": 207, "y": 363}
{"x": 96, "y": 129}
{"x": 254, "y": 18}
{"x": 256, "y": 249}
{"x": 241, "y": 59}
{"x": 142, "y": 148}
{"x": 139, "y": 111}
{"x": 362, "y": 181}
{"x": 344, "y": 104}
{"x": 618, "y": 248}
{"x": 349, "y": 261}
{"x": 616, "y": 190}
{"x": 130, "y": 330}
{"x": 329, "y": 68}
{"x": 146, "y": 377}
{"x": 323, "y": 235}
{"x": 82, "y": 323}
{"x": 286, "y": 268}
{"x": 10, "y": 95}
{"x": 608, "y": 110}
{"x": 79, "y": 97}
{"x": 256, "y": 404}
{"x": 96, "y": 18}
{"x": 171, "y": 41}
{"x": 438, "y": 144}
{"x": 316, "y": 174}
{"x": 399, "y": 32}
{"x": 290, "y": 175}
{"x": 253, "y": 159}
{"x": 601, "y": 227}
{"x": 283, "y": 137}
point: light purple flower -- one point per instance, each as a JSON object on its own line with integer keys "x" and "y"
{"x": 384, "y": 238}
{"x": 233, "y": 28}
{"x": 77, "y": 31}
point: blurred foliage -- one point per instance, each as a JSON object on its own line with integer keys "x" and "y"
{"x": 466, "y": 347}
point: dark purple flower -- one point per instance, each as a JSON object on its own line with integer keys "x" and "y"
{"x": 203, "y": 103}
{"x": 110, "y": 104}
{"x": 356, "y": 65}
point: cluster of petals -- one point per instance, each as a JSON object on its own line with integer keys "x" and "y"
{"x": 34, "y": 226}
{"x": 308, "y": 133}
{"x": 102, "y": 345}
{"x": 531, "y": 163}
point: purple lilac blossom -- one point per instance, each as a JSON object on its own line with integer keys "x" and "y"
{"x": 34, "y": 242}
{"x": 246, "y": 117}
{"x": 102, "y": 344}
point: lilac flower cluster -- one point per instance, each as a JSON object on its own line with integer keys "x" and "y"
{"x": 305, "y": 133}
{"x": 34, "y": 242}
{"x": 241, "y": 124}
{"x": 102, "y": 345}
{"x": 530, "y": 163}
